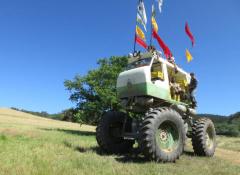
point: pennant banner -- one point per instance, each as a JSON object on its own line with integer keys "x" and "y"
{"x": 140, "y": 42}
{"x": 153, "y": 11}
{"x": 164, "y": 47}
{"x": 189, "y": 33}
{"x": 142, "y": 12}
{"x": 140, "y": 21}
{"x": 188, "y": 56}
{"x": 160, "y": 3}
{"x": 154, "y": 23}
{"x": 140, "y": 33}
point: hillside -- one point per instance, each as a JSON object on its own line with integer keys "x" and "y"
{"x": 33, "y": 145}
{"x": 9, "y": 116}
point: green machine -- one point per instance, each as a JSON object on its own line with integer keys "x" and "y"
{"x": 155, "y": 119}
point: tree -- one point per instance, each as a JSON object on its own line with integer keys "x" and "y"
{"x": 95, "y": 93}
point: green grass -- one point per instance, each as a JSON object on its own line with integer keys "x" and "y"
{"x": 229, "y": 143}
{"x": 30, "y": 149}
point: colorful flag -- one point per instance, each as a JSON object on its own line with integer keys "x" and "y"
{"x": 154, "y": 23}
{"x": 188, "y": 56}
{"x": 140, "y": 33}
{"x": 142, "y": 12}
{"x": 189, "y": 33}
{"x": 153, "y": 11}
{"x": 164, "y": 47}
{"x": 140, "y": 42}
{"x": 160, "y": 3}
{"x": 140, "y": 21}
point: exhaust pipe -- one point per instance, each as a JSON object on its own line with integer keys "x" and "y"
{"x": 183, "y": 110}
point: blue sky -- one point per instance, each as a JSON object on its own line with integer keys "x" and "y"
{"x": 44, "y": 42}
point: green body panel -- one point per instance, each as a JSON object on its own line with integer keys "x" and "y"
{"x": 146, "y": 89}
{"x": 143, "y": 89}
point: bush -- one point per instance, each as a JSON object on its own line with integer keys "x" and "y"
{"x": 68, "y": 115}
{"x": 228, "y": 129}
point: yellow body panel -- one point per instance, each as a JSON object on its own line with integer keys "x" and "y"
{"x": 157, "y": 74}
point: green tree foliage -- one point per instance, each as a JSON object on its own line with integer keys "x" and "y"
{"x": 225, "y": 125}
{"x": 227, "y": 129}
{"x": 57, "y": 116}
{"x": 68, "y": 114}
{"x": 235, "y": 118}
{"x": 95, "y": 92}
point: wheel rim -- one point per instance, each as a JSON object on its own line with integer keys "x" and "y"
{"x": 167, "y": 136}
{"x": 209, "y": 138}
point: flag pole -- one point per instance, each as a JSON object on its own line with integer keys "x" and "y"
{"x": 134, "y": 47}
{"x": 151, "y": 27}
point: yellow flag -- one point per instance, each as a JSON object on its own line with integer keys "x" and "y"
{"x": 140, "y": 33}
{"x": 154, "y": 24}
{"x": 189, "y": 56}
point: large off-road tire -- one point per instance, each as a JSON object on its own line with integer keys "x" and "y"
{"x": 204, "y": 137}
{"x": 108, "y": 134}
{"x": 162, "y": 135}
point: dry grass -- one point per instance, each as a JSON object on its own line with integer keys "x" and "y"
{"x": 229, "y": 155}
{"x": 12, "y": 117}
{"x": 32, "y": 145}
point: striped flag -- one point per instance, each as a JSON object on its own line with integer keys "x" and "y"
{"x": 141, "y": 19}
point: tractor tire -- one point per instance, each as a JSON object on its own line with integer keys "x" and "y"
{"x": 204, "y": 137}
{"x": 108, "y": 134}
{"x": 162, "y": 135}
{"x": 185, "y": 135}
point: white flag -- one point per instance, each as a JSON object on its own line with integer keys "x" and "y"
{"x": 142, "y": 12}
{"x": 140, "y": 21}
{"x": 160, "y": 3}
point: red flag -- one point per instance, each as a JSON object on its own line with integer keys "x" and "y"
{"x": 140, "y": 42}
{"x": 189, "y": 33}
{"x": 164, "y": 47}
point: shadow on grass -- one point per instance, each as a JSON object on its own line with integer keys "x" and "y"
{"x": 73, "y": 132}
{"x": 133, "y": 157}
{"x": 137, "y": 157}
{"x": 189, "y": 153}
{"x": 83, "y": 149}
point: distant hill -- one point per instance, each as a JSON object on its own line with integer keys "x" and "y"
{"x": 44, "y": 114}
{"x": 222, "y": 118}
{"x": 215, "y": 118}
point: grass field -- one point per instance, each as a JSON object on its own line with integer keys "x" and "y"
{"x": 32, "y": 145}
